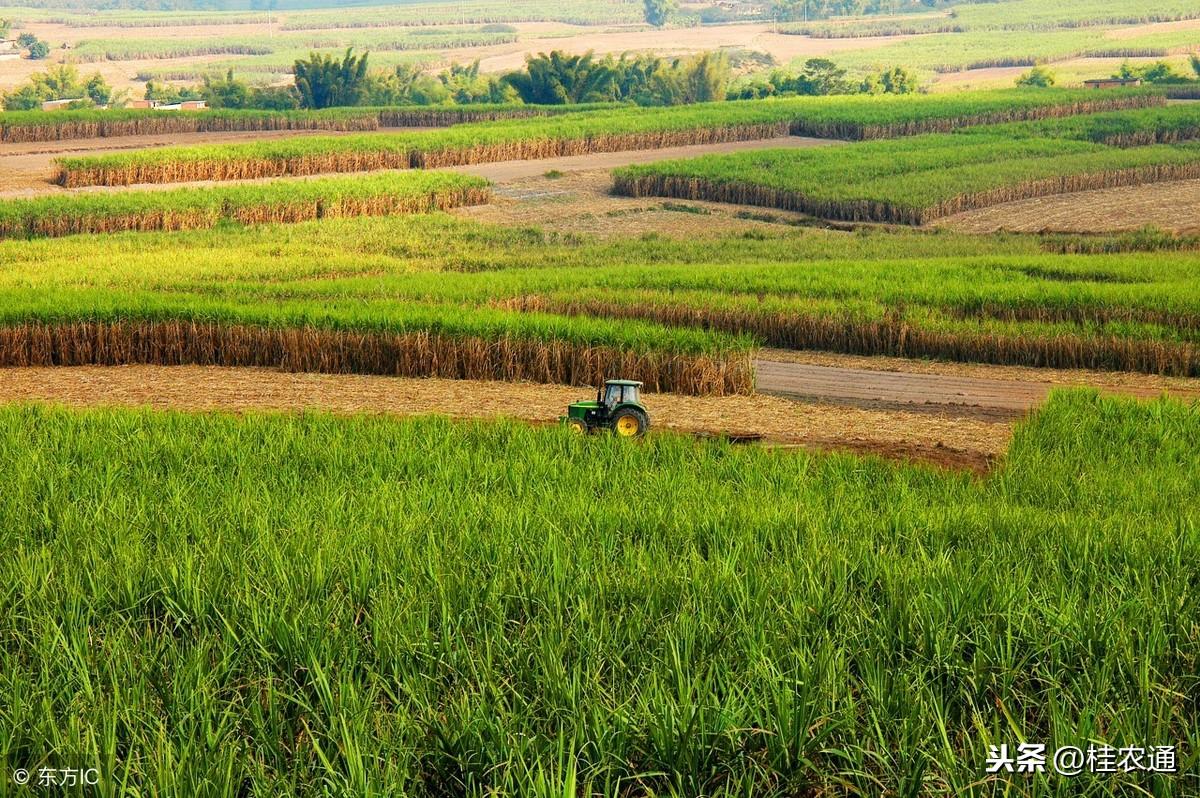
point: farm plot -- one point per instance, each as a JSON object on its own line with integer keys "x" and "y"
{"x": 493, "y": 303}
{"x": 1015, "y": 15}
{"x": 588, "y": 132}
{"x": 34, "y": 126}
{"x": 194, "y": 208}
{"x": 139, "y": 49}
{"x": 773, "y": 627}
{"x": 909, "y": 181}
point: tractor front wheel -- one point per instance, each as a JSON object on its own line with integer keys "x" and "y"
{"x": 629, "y": 422}
{"x": 577, "y": 426}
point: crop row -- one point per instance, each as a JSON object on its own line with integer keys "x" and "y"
{"x": 127, "y": 49}
{"x": 909, "y": 181}
{"x": 32, "y": 126}
{"x": 590, "y": 132}
{"x": 694, "y": 308}
{"x": 979, "y": 49}
{"x": 286, "y": 202}
{"x": 1012, "y": 15}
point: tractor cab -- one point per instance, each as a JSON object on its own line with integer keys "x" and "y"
{"x": 618, "y": 407}
{"x": 621, "y": 392}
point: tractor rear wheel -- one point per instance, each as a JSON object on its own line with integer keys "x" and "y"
{"x": 629, "y": 422}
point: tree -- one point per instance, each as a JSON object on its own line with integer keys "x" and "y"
{"x": 275, "y": 98}
{"x": 560, "y": 79}
{"x": 169, "y": 95}
{"x": 1196, "y": 65}
{"x": 820, "y": 76}
{"x": 1159, "y": 72}
{"x": 5, "y": 28}
{"x": 38, "y": 51}
{"x": 23, "y": 99}
{"x": 97, "y": 90}
{"x": 707, "y": 77}
{"x": 225, "y": 93}
{"x": 324, "y": 82}
{"x": 26, "y": 40}
{"x": 1036, "y": 78}
{"x": 658, "y": 11}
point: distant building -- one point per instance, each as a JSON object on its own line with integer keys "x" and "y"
{"x": 58, "y": 105}
{"x": 9, "y": 51}
{"x": 1112, "y": 83}
{"x": 139, "y": 104}
{"x": 186, "y": 105}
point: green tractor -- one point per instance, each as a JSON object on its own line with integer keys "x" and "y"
{"x": 618, "y": 407}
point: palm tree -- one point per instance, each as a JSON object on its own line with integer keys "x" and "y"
{"x": 324, "y": 82}
{"x": 560, "y": 79}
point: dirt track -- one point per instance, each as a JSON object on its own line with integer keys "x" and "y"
{"x": 945, "y": 440}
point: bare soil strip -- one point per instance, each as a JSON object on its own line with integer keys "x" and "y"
{"x": 1127, "y": 382}
{"x": 1173, "y": 206}
{"x": 942, "y": 440}
{"x": 977, "y": 397}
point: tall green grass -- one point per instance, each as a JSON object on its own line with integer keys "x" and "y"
{"x": 910, "y": 181}
{"x": 208, "y": 605}
{"x": 902, "y": 293}
{"x": 193, "y": 208}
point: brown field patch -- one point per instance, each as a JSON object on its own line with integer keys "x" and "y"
{"x": 1173, "y": 206}
{"x": 1125, "y": 382}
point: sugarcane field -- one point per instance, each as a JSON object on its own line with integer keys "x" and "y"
{"x": 600, "y": 398}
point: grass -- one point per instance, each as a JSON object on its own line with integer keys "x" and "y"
{"x": 909, "y": 181}
{"x": 300, "y": 605}
{"x": 686, "y": 314}
{"x": 193, "y": 208}
{"x": 599, "y": 131}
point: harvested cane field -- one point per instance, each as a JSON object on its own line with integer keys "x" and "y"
{"x": 286, "y": 202}
{"x": 370, "y": 607}
{"x": 598, "y": 131}
{"x": 435, "y": 296}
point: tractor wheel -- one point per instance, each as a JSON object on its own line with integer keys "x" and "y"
{"x": 630, "y": 422}
{"x": 577, "y": 426}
